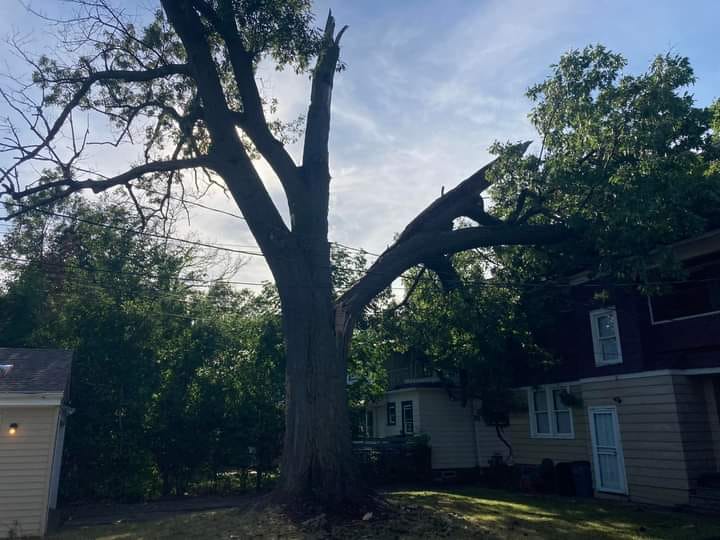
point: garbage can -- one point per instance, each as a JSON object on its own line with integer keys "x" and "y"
{"x": 582, "y": 478}
{"x": 564, "y": 479}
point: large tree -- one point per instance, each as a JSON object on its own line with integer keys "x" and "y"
{"x": 188, "y": 84}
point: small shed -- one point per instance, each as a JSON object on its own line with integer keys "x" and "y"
{"x": 33, "y": 389}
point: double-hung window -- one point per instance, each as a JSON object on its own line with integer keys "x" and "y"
{"x": 606, "y": 338}
{"x": 549, "y": 416}
{"x": 391, "y": 414}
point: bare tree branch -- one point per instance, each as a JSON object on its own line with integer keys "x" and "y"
{"x": 29, "y": 153}
{"x": 252, "y": 119}
{"x": 59, "y": 189}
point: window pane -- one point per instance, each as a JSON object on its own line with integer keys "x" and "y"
{"x": 609, "y": 349}
{"x": 391, "y": 414}
{"x": 539, "y": 400}
{"x": 562, "y": 422}
{"x": 542, "y": 423}
{"x": 606, "y": 326}
{"x": 558, "y": 405}
{"x": 407, "y": 417}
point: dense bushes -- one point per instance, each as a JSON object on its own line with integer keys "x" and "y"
{"x": 172, "y": 384}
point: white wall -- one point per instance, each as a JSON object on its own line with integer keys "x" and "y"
{"x": 25, "y": 468}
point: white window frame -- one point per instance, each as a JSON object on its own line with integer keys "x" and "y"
{"x": 597, "y": 349}
{"x": 683, "y": 318}
{"x": 552, "y": 413}
{"x": 403, "y": 404}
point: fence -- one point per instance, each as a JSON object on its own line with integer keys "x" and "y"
{"x": 394, "y": 459}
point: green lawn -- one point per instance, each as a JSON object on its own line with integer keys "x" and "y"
{"x": 459, "y": 513}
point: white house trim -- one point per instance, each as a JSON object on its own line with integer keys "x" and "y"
{"x": 551, "y": 412}
{"x": 17, "y": 399}
{"x": 685, "y": 318}
{"x": 637, "y": 375}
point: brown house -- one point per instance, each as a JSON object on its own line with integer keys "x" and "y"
{"x": 636, "y": 394}
{"x": 33, "y": 387}
{"x": 637, "y": 391}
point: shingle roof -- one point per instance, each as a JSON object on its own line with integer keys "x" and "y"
{"x": 34, "y": 370}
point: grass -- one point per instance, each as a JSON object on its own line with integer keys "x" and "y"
{"x": 458, "y": 513}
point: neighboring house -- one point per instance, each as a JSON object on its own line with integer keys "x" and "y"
{"x": 419, "y": 403}
{"x": 33, "y": 388}
{"x": 637, "y": 389}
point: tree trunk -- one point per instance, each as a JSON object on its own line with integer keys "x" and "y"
{"x": 317, "y": 463}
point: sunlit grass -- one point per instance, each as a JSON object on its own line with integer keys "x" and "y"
{"x": 459, "y": 513}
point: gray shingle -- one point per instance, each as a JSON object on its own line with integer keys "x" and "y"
{"x": 35, "y": 370}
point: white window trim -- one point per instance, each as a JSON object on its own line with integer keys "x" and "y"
{"x": 683, "y": 318}
{"x": 551, "y": 413}
{"x": 594, "y": 316}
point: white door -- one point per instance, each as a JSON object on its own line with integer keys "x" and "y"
{"x": 608, "y": 458}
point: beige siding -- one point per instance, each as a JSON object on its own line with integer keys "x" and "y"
{"x": 712, "y": 399}
{"x": 665, "y": 434}
{"x": 649, "y": 420}
{"x": 531, "y": 451}
{"x": 695, "y": 426}
{"x": 451, "y": 429}
{"x": 25, "y": 468}
{"x": 448, "y": 424}
{"x": 379, "y": 410}
{"x": 487, "y": 441}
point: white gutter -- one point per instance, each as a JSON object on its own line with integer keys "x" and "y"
{"x": 30, "y": 399}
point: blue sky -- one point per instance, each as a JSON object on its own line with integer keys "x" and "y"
{"x": 429, "y": 86}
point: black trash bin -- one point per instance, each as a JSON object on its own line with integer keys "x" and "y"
{"x": 582, "y": 478}
{"x": 564, "y": 479}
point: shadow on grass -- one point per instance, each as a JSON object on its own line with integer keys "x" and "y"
{"x": 510, "y": 515}
{"x": 461, "y": 514}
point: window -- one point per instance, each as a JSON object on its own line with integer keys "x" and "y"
{"x": 549, "y": 416}
{"x": 391, "y": 414}
{"x": 606, "y": 338}
{"x": 695, "y": 296}
{"x": 407, "y": 417}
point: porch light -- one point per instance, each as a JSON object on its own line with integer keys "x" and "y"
{"x": 13, "y": 429}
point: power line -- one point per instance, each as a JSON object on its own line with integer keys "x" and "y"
{"x": 141, "y": 233}
{"x": 220, "y": 247}
{"x": 238, "y": 216}
{"x": 198, "y": 282}
{"x": 482, "y": 283}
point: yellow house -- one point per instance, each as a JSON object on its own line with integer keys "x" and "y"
{"x": 33, "y": 387}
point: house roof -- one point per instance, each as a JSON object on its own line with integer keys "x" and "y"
{"x": 34, "y": 370}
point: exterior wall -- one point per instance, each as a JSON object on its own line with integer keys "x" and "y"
{"x": 379, "y": 410}
{"x": 450, "y": 426}
{"x": 666, "y": 431}
{"x": 531, "y": 451}
{"x": 712, "y": 400}
{"x": 25, "y": 460}
{"x": 487, "y": 442}
{"x": 649, "y": 417}
{"x": 696, "y": 425}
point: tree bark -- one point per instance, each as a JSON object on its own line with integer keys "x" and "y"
{"x": 317, "y": 458}
{"x": 317, "y": 463}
